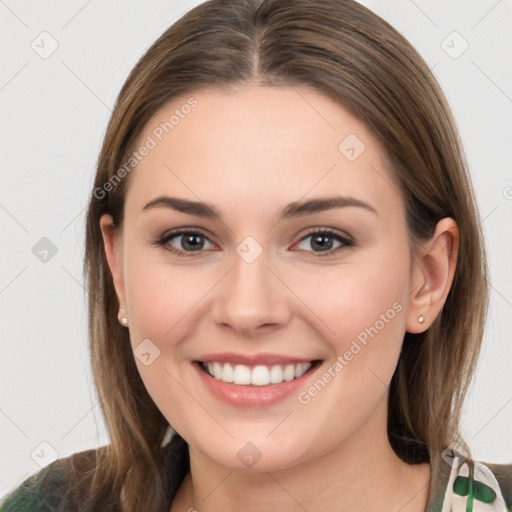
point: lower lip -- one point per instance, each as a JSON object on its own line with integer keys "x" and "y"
{"x": 250, "y": 395}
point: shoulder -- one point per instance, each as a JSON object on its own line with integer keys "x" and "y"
{"x": 53, "y": 488}
{"x": 474, "y": 486}
{"x": 76, "y": 483}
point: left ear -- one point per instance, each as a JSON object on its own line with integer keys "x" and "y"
{"x": 432, "y": 276}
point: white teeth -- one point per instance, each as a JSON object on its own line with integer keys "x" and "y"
{"x": 242, "y": 374}
{"x": 217, "y": 371}
{"x": 289, "y": 372}
{"x": 301, "y": 369}
{"x": 276, "y": 374}
{"x": 227, "y": 373}
{"x": 259, "y": 375}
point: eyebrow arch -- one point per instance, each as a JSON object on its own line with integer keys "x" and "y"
{"x": 295, "y": 209}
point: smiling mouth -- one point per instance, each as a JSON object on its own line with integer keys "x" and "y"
{"x": 257, "y": 375}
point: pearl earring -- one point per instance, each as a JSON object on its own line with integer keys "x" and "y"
{"x": 122, "y": 319}
{"x": 421, "y": 319}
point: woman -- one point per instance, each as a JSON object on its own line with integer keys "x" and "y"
{"x": 287, "y": 280}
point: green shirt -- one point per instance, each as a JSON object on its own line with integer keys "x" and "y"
{"x": 460, "y": 485}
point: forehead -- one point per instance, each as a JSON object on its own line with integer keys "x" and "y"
{"x": 276, "y": 143}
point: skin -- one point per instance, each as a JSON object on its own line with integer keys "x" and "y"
{"x": 250, "y": 151}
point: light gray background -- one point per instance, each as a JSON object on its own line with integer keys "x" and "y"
{"x": 54, "y": 114}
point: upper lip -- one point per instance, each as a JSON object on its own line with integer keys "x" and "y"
{"x": 253, "y": 359}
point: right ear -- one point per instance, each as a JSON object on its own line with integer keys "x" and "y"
{"x": 112, "y": 242}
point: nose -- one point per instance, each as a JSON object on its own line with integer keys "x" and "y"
{"x": 251, "y": 298}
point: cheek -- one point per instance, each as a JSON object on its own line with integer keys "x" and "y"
{"x": 363, "y": 306}
{"x": 370, "y": 307}
{"x": 364, "y": 309}
{"x": 160, "y": 297}
{"x": 163, "y": 302}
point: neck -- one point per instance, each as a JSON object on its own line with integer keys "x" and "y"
{"x": 360, "y": 474}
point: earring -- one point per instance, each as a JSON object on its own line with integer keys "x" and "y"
{"x": 421, "y": 319}
{"x": 122, "y": 319}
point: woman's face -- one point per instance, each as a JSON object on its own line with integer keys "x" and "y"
{"x": 257, "y": 289}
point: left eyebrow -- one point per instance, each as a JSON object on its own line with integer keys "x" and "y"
{"x": 300, "y": 208}
{"x": 292, "y": 210}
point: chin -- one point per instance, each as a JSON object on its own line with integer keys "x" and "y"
{"x": 258, "y": 456}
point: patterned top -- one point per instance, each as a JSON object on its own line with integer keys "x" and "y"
{"x": 461, "y": 485}
{"x": 464, "y": 485}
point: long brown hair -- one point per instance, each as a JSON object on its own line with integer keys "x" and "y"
{"x": 346, "y": 52}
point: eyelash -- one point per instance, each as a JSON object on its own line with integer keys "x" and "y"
{"x": 162, "y": 240}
